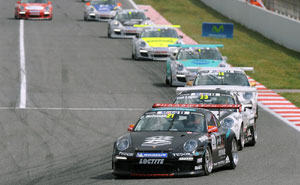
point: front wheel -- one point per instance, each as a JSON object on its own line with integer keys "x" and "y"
{"x": 207, "y": 161}
{"x": 233, "y": 154}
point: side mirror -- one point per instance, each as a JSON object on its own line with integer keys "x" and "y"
{"x": 119, "y": 4}
{"x": 224, "y": 58}
{"x": 252, "y": 84}
{"x": 247, "y": 106}
{"x": 88, "y": 3}
{"x": 130, "y": 128}
{"x": 189, "y": 83}
{"x": 212, "y": 129}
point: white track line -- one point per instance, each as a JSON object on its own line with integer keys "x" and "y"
{"x": 74, "y": 109}
{"x": 133, "y": 4}
{"x": 23, "y": 85}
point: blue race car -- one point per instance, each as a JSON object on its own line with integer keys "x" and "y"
{"x": 101, "y": 10}
{"x": 189, "y": 59}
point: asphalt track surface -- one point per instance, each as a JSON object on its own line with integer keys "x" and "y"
{"x": 84, "y": 89}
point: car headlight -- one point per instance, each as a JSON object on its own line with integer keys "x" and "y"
{"x": 190, "y": 145}
{"x": 122, "y": 144}
{"x": 22, "y": 8}
{"x": 247, "y": 95}
{"x": 91, "y": 9}
{"x": 228, "y": 122}
{"x": 116, "y": 23}
{"x": 47, "y": 8}
{"x": 142, "y": 44}
{"x": 179, "y": 67}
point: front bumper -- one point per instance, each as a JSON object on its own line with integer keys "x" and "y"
{"x": 34, "y": 14}
{"x": 155, "y": 53}
{"x": 170, "y": 167}
{"x": 125, "y": 32}
{"x": 100, "y": 16}
{"x": 180, "y": 78}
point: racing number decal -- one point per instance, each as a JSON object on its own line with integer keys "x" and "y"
{"x": 203, "y": 97}
{"x": 221, "y": 73}
{"x": 170, "y": 116}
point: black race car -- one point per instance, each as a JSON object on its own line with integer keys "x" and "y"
{"x": 175, "y": 140}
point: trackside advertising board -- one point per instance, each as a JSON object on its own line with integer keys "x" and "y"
{"x": 217, "y": 30}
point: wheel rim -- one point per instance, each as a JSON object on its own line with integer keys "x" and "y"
{"x": 234, "y": 152}
{"x": 208, "y": 161}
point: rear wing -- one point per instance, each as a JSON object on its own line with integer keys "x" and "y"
{"x": 197, "y": 45}
{"x": 155, "y": 26}
{"x": 205, "y": 106}
{"x": 221, "y": 69}
{"x": 231, "y": 88}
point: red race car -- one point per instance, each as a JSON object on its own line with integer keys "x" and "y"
{"x": 33, "y": 9}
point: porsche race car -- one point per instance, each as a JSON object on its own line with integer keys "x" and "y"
{"x": 101, "y": 10}
{"x": 33, "y": 9}
{"x": 183, "y": 67}
{"x": 122, "y": 26}
{"x": 240, "y": 121}
{"x": 153, "y": 42}
{"x": 174, "y": 140}
{"x": 231, "y": 79}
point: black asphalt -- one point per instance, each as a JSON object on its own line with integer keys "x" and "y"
{"x": 73, "y": 69}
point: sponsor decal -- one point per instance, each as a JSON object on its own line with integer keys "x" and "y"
{"x": 199, "y": 160}
{"x": 151, "y": 161}
{"x": 198, "y": 167}
{"x": 227, "y": 160}
{"x": 181, "y": 154}
{"x": 213, "y": 142}
{"x": 153, "y": 155}
{"x": 222, "y": 152}
{"x": 158, "y": 141}
{"x": 203, "y": 138}
{"x": 126, "y": 154}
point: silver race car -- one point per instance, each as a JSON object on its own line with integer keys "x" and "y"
{"x": 240, "y": 121}
{"x": 101, "y": 10}
{"x": 122, "y": 26}
{"x": 229, "y": 78}
{"x": 153, "y": 43}
{"x": 184, "y": 66}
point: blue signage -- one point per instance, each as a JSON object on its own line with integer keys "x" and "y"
{"x": 217, "y": 30}
{"x": 152, "y": 155}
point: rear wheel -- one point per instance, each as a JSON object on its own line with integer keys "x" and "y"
{"x": 253, "y": 132}
{"x": 207, "y": 163}
{"x": 233, "y": 154}
{"x": 167, "y": 80}
{"x": 241, "y": 142}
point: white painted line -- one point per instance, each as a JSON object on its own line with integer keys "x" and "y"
{"x": 133, "y": 4}
{"x": 74, "y": 108}
{"x": 23, "y": 82}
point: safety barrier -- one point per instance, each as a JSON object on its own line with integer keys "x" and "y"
{"x": 281, "y": 29}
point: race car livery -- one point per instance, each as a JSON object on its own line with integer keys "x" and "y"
{"x": 122, "y": 26}
{"x": 101, "y": 10}
{"x": 33, "y": 9}
{"x": 174, "y": 141}
{"x": 184, "y": 66}
{"x": 153, "y": 42}
{"x": 232, "y": 79}
{"x": 240, "y": 121}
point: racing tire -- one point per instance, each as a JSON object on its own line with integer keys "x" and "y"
{"x": 253, "y": 136}
{"x": 233, "y": 154}
{"x": 207, "y": 161}
{"x": 171, "y": 81}
{"x": 241, "y": 141}
{"x": 167, "y": 81}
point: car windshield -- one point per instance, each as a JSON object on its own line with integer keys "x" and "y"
{"x": 34, "y": 1}
{"x": 130, "y": 15}
{"x": 176, "y": 121}
{"x": 170, "y": 33}
{"x": 198, "y": 53}
{"x": 103, "y": 2}
{"x": 222, "y": 78}
{"x": 204, "y": 98}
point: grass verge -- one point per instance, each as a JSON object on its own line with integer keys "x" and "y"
{"x": 292, "y": 97}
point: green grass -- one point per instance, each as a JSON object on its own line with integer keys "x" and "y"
{"x": 275, "y": 66}
{"x": 292, "y": 97}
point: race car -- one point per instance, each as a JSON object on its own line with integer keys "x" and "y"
{"x": 175, "y": 140}
{"x": 240, "y": 121}
{"x": 122, "y": 26}
{"x": 101, "y": 10}
{"x": 33, "y": 9}
{"x": 232, "y": 79}
{"x": 183, "y": 67}
{"x": 153, "y": 42}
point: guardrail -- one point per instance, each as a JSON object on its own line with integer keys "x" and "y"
{"x": 290, "y": 8}
{"x": 281, "y": 29}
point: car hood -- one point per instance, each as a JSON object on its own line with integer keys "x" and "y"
{"x": 35, "y": 6}
{"x": 131, "y": 22}
{"x": 104, "y": 7}
{"x": 160, "y": 42}
{"x": 200, "y": 63}
{"x": 153, "y": 141}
